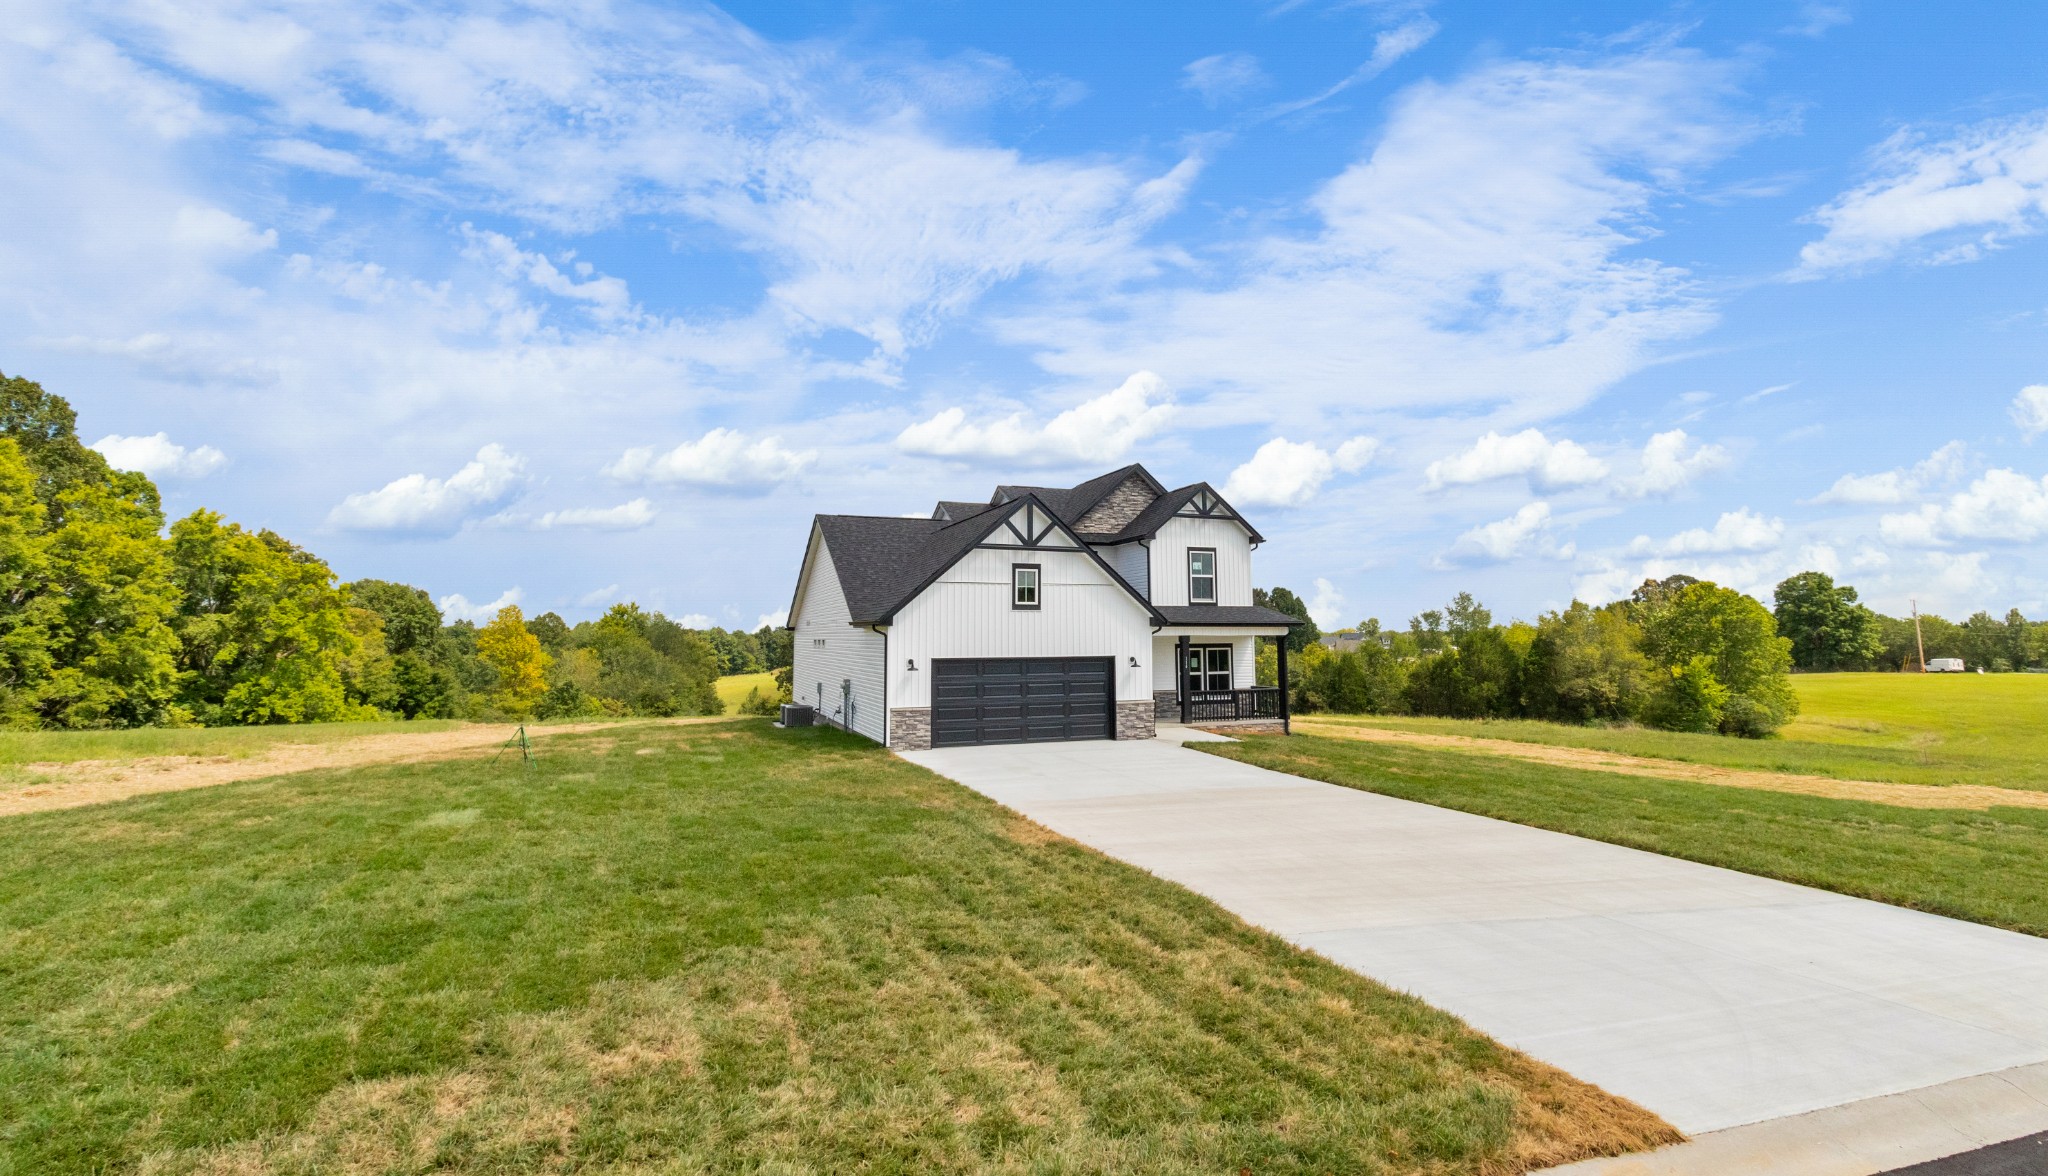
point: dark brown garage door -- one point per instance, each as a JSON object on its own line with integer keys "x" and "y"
{"x": 1019, "y": 700}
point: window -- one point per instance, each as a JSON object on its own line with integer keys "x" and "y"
{"x": 1208, "y": 668}
{"x": 1024, "y": 586}
{"x": 1201, "y": 575}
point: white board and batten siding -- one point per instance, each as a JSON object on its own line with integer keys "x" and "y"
{"x": 829, "y": 650}
{"x": 1169, "y": 576}
{"x": 1132, "y": 561}
{"x": 966, "y": 613}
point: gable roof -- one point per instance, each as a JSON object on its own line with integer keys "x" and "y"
{"x": 1074, "y": 502}
{"x": 1168, "y": 506}
{"x": 884, "y": 562}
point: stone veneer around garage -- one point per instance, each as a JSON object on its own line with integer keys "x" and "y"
{"x": 910, "y": 728}
{"x": 1136, "y": 720}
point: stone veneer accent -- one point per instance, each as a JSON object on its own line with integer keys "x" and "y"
{"x": 910, "y": 729}
{"x": 1134, "y": 720}
{"x": 1242, "y": 727}
{"x": 1115, "y": 512}
{"x": 1166, "y": 705}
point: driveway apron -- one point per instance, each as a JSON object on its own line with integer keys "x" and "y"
{"x": 1711, "y": 997}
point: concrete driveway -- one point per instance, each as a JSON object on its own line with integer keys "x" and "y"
{"x": 1713, "y": 998}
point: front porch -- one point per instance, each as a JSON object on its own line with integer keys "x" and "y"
{"x": 1207, "y": 676}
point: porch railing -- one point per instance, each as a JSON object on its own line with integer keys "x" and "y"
{"x": 1251, "y": 702}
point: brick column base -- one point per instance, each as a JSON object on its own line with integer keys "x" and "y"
{"x": 910, "y": 729}
{"x": 1166, "y": 705}
{"x": 1135, "y": 720}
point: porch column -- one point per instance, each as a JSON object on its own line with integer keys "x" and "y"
{"x": 1180, "y": 649}
{"x": 1284, "y": 728}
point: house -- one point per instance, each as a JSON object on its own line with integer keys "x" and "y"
{"x": 1089, "y": 612}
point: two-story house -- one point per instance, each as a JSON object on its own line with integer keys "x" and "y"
{"x": 1091, "y": 612}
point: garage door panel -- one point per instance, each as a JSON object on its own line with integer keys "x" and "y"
{"x": 1017, "y": 700}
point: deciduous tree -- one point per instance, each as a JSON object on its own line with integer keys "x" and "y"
{"x": 1827, "y": 628}
{"x": 509, "y": 647}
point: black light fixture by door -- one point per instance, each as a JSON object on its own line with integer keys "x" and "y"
{"x": 911, "y": 664}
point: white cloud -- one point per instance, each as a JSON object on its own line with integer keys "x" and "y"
{"x": 1670, "y": 461}
{"x": 457, "y": 607}
{"x": 1964, "y": 196}
{"x": 1894, "y": 486}
{"x": 1525, "y": 533}
{"x": 213, "y": 231}
{"x": 1737, "y": 530}
{"x": 2001, "y": 506}
{"x": 1098, "y": 430}
{"x": 627, "y": 516}
{"x": 1222, "y": 77}
{"x": 774, "y": 620}
{"x": 159, "y": 457}
{"x": 1326, "y": 607}
{"x": 419, "y": 504}
{"x": 1387, "y": 48}
{"x": 2030, "y": 410}
{"x": 696, "y": 621}
{"x": 1549, "y": 465}
{"x": 608, "y": 297}
{"x": 1289, "y": 473}
{"x": 720, "y": 458}
{"x": 609, "y": 594}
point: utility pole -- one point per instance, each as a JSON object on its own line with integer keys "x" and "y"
{"x": 1919, "y": 645}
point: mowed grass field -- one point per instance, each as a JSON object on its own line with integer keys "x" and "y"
{"x": 1984, "y": 866}
{"x": 708, "y": 948}
{"x": 733, "y": 688}
{"x": 1898, "y": 728}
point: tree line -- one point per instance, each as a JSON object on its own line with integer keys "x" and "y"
{"x": 110, "y": 618}
{"x": 1680, "y": 653}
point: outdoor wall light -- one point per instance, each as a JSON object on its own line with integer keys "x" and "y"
{"x": 910, "y": 664}
{"x": 1134, "y": 663}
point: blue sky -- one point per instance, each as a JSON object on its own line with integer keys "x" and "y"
{"x": 567, "y": 305}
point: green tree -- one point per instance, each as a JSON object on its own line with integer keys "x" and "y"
{"x": 1827, "y": 628}
{"x": 1366, "y": 680}
{"x": 1739, "y": 642}
{"x": 409, "y": 616}
{"x": 510, "y": 648}
{"x": 28, "y": 612}
{"x": 46, "y": 427}
{"x": 551, "y": 630}
{"x": 266, "y": 633}
{"x": 113, "y": 650}
{"x": 1301, "y": 636}
{"x": 1586, "y": 665}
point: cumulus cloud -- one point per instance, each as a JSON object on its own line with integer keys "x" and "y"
{"x": 596, "y": 596}
{"x": 457, "y": 607}
{"x": 1549, "y": 465}
{"x": 213, "y": 231}
{"x": 774, "y": 620}
{"x": 419, "y": 504}
{"x": 1326, "y": 607}
{"x": 696, "y": 621}
{"x": 1670, "y": 462}
{"x": 1894, "y": 486}
{"x": 1524, "y": 534}
{"x": 1943, "y": 199}
{"x": 2002, "y": 506}
{"x": 1738, "y": 530}
{"x": 1289, "y": 473}
{"x": 159, "y": 457}
{"x": 627, "y": 516}
{"x": 2030, "y": 410}
{"x": 723, "y": 458}
{"x": 1098, "y": 430}
{"x": 1222, "y": 76}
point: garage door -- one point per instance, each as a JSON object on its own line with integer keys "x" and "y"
{"x": 1019, "y": 700}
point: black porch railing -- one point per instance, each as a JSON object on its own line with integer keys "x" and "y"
{"x": 1251, "y": 702}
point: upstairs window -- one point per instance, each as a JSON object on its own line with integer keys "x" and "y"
{"x": 1024, "y": 586}
{"x": 1201, "y": 575}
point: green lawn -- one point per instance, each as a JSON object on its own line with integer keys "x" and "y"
{"x": 733, "y": 688}
{"x": 27, "y": 747}
{"x": 712, "y": 948}
{"x": 1988, "y": 867}
{"x": 1901, "y": 728}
